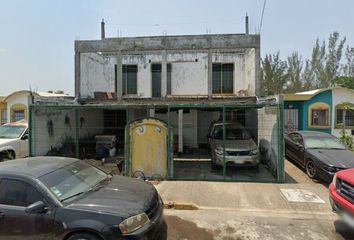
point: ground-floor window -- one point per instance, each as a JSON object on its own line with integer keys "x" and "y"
{"x": 3, "y": 116}
{"x": 349, "y": 117}
{"x": 319, "y": 115}
{"x": 18, "y": 114}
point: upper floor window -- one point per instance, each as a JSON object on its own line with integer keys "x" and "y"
{"x": 130, "y": 78}
{"x": 223, "y": 78}
{"x": 319, "y": 115}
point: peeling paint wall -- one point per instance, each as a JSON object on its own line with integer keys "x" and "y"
{"x": 189, "y": 74}
{"x": 97, "y": 74}
{"x": 268, "y": 137}
{"x": 250, "y": 78}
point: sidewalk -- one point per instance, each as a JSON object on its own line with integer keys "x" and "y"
{"x": 255, "y": 197}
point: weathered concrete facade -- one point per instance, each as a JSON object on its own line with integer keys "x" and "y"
{"x": 98, "y": 64}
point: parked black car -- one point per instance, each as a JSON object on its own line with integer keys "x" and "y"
{"x": 321, "y": 154}
{"x": 65, "y": 198}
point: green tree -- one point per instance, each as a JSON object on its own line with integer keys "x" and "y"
{"x": 344, "y": 81}
{"x": 333, "y": 58}
{"x": 348, "y": 66}
{"x": 273, "y": 74}
{"x": 324, "y": 66}
{"x": 294, "y": 69}
{"x": 308, "y": 76}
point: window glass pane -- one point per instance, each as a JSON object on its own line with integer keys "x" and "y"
{"x": 227, "y": 78}
{"x": 349, "y": 118}
{"x": 130, "y": 74}
{"x": 339, "y": 119}
{"x": 216, "y": 78}
{"x": 18, "y": 115}
{"x": 156, "y": 80}
{"x": 18, "y": 193}
{"x": 319, "y": 117}
{"x": 3, "y": 116}
{"x": 169, "y": 78}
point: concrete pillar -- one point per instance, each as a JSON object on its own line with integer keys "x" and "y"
{"x": 210, "y": 74}
{"x": 257, "y": 56}
{"x": 246, "y": 25}
{"x": 77, "y": 74}
{"x": 164, "y": 74}
{"x": 151, "y": 112}
{"x": 119, "y": 75}
{"x": 103, "y": 31}
{"x": 180, "y": 131}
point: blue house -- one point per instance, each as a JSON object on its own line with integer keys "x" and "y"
{"x": 319, "y": 110}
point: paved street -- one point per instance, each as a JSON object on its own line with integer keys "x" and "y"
{"x": 253, "y": 211}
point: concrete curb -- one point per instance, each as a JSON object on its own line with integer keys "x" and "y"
{"x": 181, "y": 206}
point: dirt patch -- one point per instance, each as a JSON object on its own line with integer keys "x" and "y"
{"x": 179, "y": 229}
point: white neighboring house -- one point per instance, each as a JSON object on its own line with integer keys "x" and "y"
{"x": 14, "y": 140}
{"x": 14, "y": 107}
{"x": 14, "y": 117}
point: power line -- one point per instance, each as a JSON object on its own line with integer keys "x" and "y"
{"x": 261, "y": 24}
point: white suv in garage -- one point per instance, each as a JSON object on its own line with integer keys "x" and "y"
{"x": 14, "y": 140}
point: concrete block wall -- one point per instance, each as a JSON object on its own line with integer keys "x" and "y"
{"x": 63, "y": 124}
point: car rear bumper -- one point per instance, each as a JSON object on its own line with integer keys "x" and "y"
{"x": 250, "y": 160}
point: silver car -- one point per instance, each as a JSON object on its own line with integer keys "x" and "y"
{"x": 240, "y": 148}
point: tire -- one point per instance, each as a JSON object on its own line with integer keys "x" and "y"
{"x": 11, "y": 155}
{"x": 311, "y": 169}
{"x": 83, "y": 236}
{"x": 5, "y": 156}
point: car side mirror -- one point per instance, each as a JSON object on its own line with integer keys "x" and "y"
{"x": 24, "y": 137}
{"x": 37, "y": 207}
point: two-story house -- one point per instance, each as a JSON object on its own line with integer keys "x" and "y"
{"x": 188, "y": 81}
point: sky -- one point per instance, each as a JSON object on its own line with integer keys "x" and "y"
{"x": 37, "y": 37}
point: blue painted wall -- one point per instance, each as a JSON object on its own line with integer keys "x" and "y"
{"x": 303, "y": 106}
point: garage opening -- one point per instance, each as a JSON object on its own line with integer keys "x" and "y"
{"x": 217, "y": 141}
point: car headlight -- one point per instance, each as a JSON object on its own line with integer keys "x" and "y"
{"x": 254, "y": 151}
{"x": 133, "y": 223}
{"x": 219, "y": 151}
{"x": 334, "y": 181}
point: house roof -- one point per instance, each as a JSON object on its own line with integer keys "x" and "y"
{"x": 40, "y": 94}
{"x": 303, "y": 96}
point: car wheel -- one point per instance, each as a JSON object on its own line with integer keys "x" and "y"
{"x": 83, "y": 236}
{"x": 311, "y": 169}
{"x": 10, "y": 155}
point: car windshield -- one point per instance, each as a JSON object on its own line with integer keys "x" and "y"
{"x": 323, "y": 143}
{"x": 74, "y": 180}
{"x": 231, "y": 133}
{"x": 7, "y": 131}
